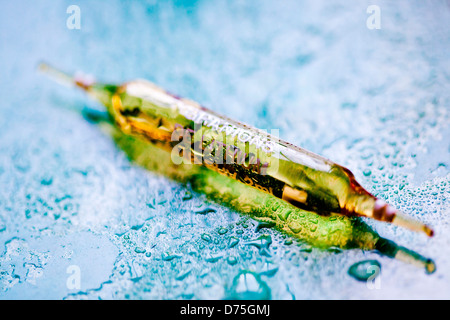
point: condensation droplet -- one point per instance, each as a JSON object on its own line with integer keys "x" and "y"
{"x": 222, "y": 231}
{"x": 139, "y": 250}
{"x": 364, "y": 270}
{"x": 206, "y": 237}
{"x": 248, "y": 285}
{"x": 232, "y": 260}
{"x": 232, "y": 242}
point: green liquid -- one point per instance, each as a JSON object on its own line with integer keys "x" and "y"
{"x": 324, "y": 232}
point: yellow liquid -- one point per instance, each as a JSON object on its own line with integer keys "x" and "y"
{"x": 196, "y": 135}
{"x": 200, "y": 136}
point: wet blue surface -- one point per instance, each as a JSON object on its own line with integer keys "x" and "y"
{"x": 375, "y": 101}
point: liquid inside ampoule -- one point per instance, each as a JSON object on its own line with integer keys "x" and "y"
{"x": 196, "y": 135}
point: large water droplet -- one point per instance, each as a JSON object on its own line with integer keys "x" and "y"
{"x": 222, "y": 231}
{"x": 295, "y": 226}
{"x": 206, "y": 237}
{"x": 232, "y": 242}
{"x": 248, "y": 286}
{"x": 262, "y": 243}
{"x": 364, "y": 270}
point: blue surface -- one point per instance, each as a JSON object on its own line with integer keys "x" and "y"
{"x": 375, "y": 101}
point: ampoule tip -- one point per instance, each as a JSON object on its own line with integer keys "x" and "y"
{"x": 403, "y": 220}
{"x": 79, "y": 80}
{"x": 384, "y": 212}
{"x": 414, "y": 258}
{"x": 391, "y": 249}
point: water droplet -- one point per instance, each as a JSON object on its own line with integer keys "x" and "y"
{"x": 46, "y": 181}
{"x": 264, "y": 224}
{"x": 232, "y": 260}
{"x": 232, "y": 242}
{"x": 139, "y": 250}
{"x": 306, "y": 248}
{"x": 213, "y": 258}
{"x": 364, "y": 270}
{"x": 206, "y": 211}
{"x": 284, "y": 214}
{"x": 335, "y": 250}
{"x": 248, "y": 286}
{"x": 295, "y": 226}
{"x": 269, "y": 272}
{"x": 137, "y": 227}
{"x": 275, "y": 206}
{"x": 183, "y": 274}
{"x": 169, "y": 256}
{"x": 222, "y": 231}
{"x": 262, "y": 243}
{"x": 206, "y": 237}
{"x": 187, "y": 196}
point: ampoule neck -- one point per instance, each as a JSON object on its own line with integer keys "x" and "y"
{"x": 102, "y": 92}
